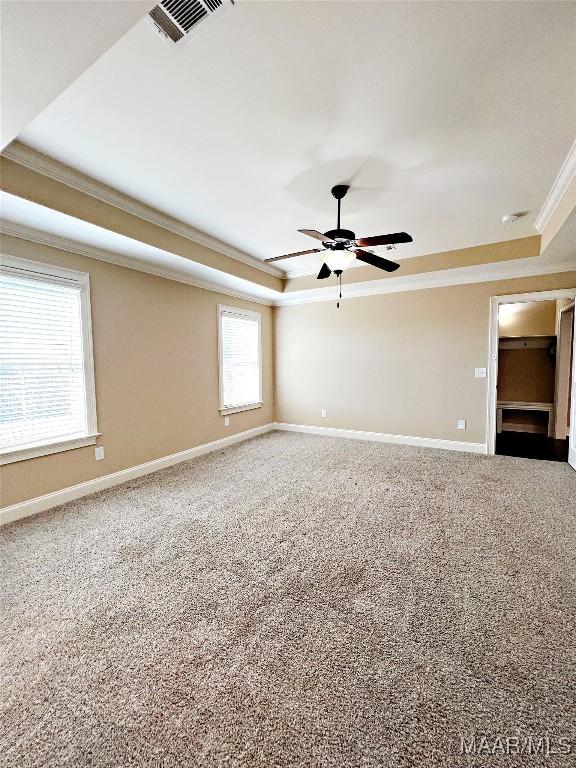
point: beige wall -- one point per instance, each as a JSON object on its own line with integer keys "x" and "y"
{"x": 532, "y": 318}
{"x": 396, "y": 363}
{"x": 526, "y": 375}
{"x": 401, "y": 363}
{"x": 155, "y": 353}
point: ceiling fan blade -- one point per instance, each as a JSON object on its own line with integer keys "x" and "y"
{"x": 392, "y": 239}
{"x": 376, "y": 261}
{"x": 316, "y": 234}
{"x": 290, "y": 255}
{"x": 325, "y": 272}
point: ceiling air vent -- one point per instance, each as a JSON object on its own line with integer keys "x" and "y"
{"x": 176, "y": 19}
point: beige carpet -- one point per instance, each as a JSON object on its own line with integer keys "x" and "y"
{"x": 295, "y": 601}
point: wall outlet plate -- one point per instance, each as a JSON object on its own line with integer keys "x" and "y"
{"x": 226, "y": 421}
{"x": 461, "y": 423}
{"x": 99, "y": 452}
{"x": 480, "y": 373}
{"x": 323, "y": 413}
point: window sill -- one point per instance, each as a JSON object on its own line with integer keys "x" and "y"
{"x": 239, "y": 408}
{"x": 44, "y": 450}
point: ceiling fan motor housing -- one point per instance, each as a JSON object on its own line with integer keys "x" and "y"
{"x": 339, "y": 239}
{"x": 339, "y": 191}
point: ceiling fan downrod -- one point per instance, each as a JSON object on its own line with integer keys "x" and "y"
{"x": 339, "y": 191}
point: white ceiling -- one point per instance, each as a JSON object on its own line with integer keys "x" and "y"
{"x": 46, "y": 44}
{"x": 442, "y": 116}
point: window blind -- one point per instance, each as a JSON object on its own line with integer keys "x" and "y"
{"x": 42, "y": 383}
{"x": 240, "y": 359}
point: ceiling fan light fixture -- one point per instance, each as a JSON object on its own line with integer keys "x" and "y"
{"x": 339, "y": 259}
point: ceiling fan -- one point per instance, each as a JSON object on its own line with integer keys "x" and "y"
{"x": 342, "y": 246}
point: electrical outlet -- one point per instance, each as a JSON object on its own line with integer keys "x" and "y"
{"x": 480, "y": 373}
{"x": 461, "y": 423}
{"x": 323, "y": 414}
{"x": 99, "y": 452}
{"x": 226, "y": 421}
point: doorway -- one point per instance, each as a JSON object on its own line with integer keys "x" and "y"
{"x": 531, "y": 391}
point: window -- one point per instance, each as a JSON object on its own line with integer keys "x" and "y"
{"x": 46, "y": 372}
{"x": 240, "y": 359}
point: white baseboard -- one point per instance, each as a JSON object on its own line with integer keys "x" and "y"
{"x": 382, "y": 437}
{"x": 55, "y": 499}
{"x": 50, "y": 500}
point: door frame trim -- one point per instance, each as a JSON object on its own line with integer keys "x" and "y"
{"x": 560, "y": 349}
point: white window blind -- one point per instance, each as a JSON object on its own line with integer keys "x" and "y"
{"x": 43, "y": 376}
{"x": 240, "y": 359}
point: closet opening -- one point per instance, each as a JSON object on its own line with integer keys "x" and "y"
{"x": 533, "y": 375}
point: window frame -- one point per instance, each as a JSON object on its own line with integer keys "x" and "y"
{"x": 40, "y": 271}
{"x": 224, "y": 309}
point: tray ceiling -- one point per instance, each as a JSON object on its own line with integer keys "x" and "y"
{"x": 443, "y": 117}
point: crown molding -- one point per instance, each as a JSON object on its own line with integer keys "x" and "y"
{"x": 53, "y": 169}
{"x": 529, "y": 267}
{"x": 63, "y": 243}
{"x": 563, "y": 180}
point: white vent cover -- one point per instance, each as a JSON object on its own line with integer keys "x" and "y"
{"x": 177, "y": 19}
